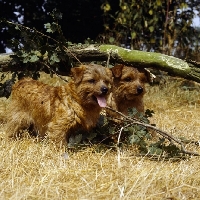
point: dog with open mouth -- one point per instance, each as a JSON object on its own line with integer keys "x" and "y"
{"x": 57, "y": 112}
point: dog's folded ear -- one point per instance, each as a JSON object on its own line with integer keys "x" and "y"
{"x": 117, "y": 70}
{"x": 77, "y": 73}
{"x": 150, "y": 77}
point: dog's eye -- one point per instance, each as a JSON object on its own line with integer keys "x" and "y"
{"x": 127, "y": 79}
{"x": 91, "y": 81}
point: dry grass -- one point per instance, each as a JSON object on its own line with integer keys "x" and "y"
{"x": 35, "y": 170}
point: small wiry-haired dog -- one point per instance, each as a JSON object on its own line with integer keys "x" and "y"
{"x": 128, "y": 90}
{"x": 59, "y": 111}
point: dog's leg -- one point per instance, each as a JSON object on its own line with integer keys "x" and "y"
{"x": 58, "y": 137}
{"x": 16, "y": 120}
{"x": 56, "y": 133}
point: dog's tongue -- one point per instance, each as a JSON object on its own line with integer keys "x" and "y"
{"x": 101, "y": 101}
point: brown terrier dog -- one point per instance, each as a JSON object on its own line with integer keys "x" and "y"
{"x": 128, "y": 90}
{"x": 58, "y": 111}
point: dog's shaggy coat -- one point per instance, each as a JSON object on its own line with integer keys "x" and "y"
{"x": 56, "y": 112}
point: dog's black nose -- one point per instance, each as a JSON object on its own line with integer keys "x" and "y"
{"x": 139, "y": 89}
{"x": 104, "y": 90}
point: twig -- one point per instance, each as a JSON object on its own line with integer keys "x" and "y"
{"x": 108, "y": 60}
{"x": 118, "y": 149}
{"x": 163, "y": 133}
{"x": 120, "y": 132}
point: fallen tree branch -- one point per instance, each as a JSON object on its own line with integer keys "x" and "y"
{"x": 163, "y": 133}
{"x": 170, "y": 64}
{"x": 87, "y": 53}
{"x": 140, "y": 59}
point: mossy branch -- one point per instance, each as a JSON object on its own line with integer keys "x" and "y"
{"x": 174, "y": 66}
{"x": 170, "y": 64}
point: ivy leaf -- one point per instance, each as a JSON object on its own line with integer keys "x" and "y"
{"x": 33, "y": 58}
{"x": 111, "y": 130}
{"x": 134, "y": 139}
{"x": 131, "y": 129}
{"x": 141, "y": 133}
{"x": 155, "y": 150}
{"x": 48, "y": 27}
{"x": 91, "y": 135}
{"x": 26, "y": 60}
{"x": 24, "y": 54}
{"x": 74, "y": 139}
{"x": 54, "y": 58}
{"x": 132, "y": 112}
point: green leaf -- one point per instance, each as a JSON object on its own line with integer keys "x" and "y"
{"x": 141, "y": 133}
{"x": 48, "y": 27}
{"x": 184, "y": 5}
{"x": 78, "y": 138}
{"x": 151, "y": 28}
{"x": 132, "y": 112}
{"x": 111, "y": 130}
{"x": 17, "y": 27}
{"x": 135, "y": 16}
{"x": 134, "y": 139}
{"x": 151, "y": 12}
{"x": 24, "y": 54}
{"x": 131, "y": 129}
{"x": 133, "y": 35}
{"x": 106, "y": 7}
{"x": 54, "y": 58}
{"x": 158, "y": 2}
{"x": 91, "y": 135}
{"x": 33, "y": 58}
{"x": 111, "y": 39}
{"x": 75, "y": 139}
{"x": 26, "y": 60}
{"x": 148, "y": 136}
{"x": 143, "y": 144}
{"x": 155, "y": 150}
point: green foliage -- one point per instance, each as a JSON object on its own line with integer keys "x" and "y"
{"x": 77, "y": 17}
{"x": 36, "y": 51}
{"x": 109, "y": 134}
{"x": 161, "y": 26}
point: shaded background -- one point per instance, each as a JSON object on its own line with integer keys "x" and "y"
{"x": 161, "y": 26}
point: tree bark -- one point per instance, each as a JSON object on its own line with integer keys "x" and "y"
{"x": 140, "y": 59}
